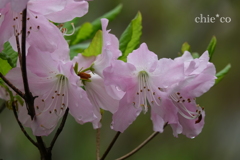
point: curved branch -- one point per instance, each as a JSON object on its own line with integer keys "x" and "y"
{"x": 154, "y": 134}
{"x": 60, "y": 128}
{"x": 21, "y": 126}
{"x": 110, "y": 146}
{"x": 11, "y": 86}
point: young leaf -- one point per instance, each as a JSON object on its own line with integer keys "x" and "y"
{"x": 220, "y": 75}
{"x": 95, "y": 47}
{"x": 9, "y": 54}
{"x": 185, "y": 47}
{"x": 130, "y": 38}
{"x": 211, "y": 47}
{"x": 4, "y": 67}
{"x": 82, "y": 33}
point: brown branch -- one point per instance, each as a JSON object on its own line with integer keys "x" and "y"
{"x": 21, "y": 126}
{"x": 28, "y": 97}
{"x": 60, "y": 128}
{"x": 154, "y": 134}
{"x": 11, "y": 86}
{"x": 110, "y": 146}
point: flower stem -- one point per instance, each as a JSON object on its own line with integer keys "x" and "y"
{"x": 154, "y": 134}
{"x": 98, "y": 143}
{"x": 110, "y": 146}
{"x": 21, "y": 126}
{"x": 12, "y": 86}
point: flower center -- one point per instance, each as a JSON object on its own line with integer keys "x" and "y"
{"x": 56, "y": 100}
{"x": 145, "y": 92}
{"x": 183, "y": 103}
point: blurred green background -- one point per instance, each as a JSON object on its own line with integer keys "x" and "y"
{"x": 167, "y": 24}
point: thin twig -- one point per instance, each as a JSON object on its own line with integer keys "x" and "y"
{"x": 12, "y": 86}
{"x": 98, "y": 143}
{"x": 141, "y": 145}
{"x": 60, "y": 128}
{"x": 21, "y": 126}
{"x": 28, "y": 97}
{"x": 110, "y": 146}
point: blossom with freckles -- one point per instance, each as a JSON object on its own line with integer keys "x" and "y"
{"x": 142, "y": 78}
{"x": 55, "y": 84}
{"x": 199, "y": 77}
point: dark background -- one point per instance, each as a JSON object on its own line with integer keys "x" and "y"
{"x": 167, "y": 24}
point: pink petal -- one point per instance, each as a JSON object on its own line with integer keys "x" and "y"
{"x": 143, "y": 59}
{"x": 71, "y": 10}
{"x": 120, "y": 74}
{"x": 125, "y": 114}
{"x": 98, "y": 95}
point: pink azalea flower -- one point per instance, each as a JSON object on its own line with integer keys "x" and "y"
{"x": 55, "y": 84}
{"x": 97, "y": 92}
{"x": 199, "y": 77}
{"x": 142, "y": 78}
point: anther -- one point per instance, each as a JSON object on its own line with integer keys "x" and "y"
{"x": 137, "y": 93}
{"x": 199, "y": 119}
{"x": 153, "y": 93}
{"x": 42, "y": 100}
{"x": 141, "y": 90}
{"x": 52, "y": 97}
{"x": 38, "y": 27}
{"x": 50, "y": 112}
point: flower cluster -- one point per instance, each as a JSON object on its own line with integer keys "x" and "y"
{"x": 168, "y": 87}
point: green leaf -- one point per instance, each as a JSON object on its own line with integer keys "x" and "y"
{"x": 83, "y": 33}
{"x": 185, "y": 47}
{"x": 220, "y": 75}
{"x": 9, "y": 54}
{"x": 76, "y": 49}
{"x": 95, "y": 47}
{"x": 211, "y": 47}
{"x": 130, "y": 38}
{"x": 4, "y": 66}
